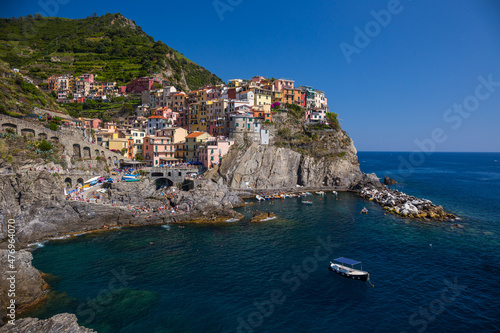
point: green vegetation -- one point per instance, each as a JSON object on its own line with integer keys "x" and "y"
{"x": 332, "y": 120}
{"x": 295, "y": 111}
{"x": 17, "y": 150}
{"x": 44, "y": 146}
{"x": 18, "y": 97}
{"x": 118, "y": 106}
{"x": 111, "y": 46}
{"x": 53, "y": 126}
{"x": 317, "y": 140}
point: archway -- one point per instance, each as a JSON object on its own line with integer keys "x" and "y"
{"x": 96, "y": 153}
{"x": 109, "y": 160}
{"x": 86, "y": 152}
{"x": 42, "y": 136}
{"x": 102, "y": 153}
{"x": 54, "y": 139}
{"x": 6, "y": 126}
{"x": 80, "y": 181}
{"x": 68, "y": 182}
{"x": 28, "y": 132}
{"x": 76, "y": 150}
{"x": 163, "y": 182}
{"x": 114, "y": 159}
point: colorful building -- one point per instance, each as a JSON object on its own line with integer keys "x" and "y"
{"x": 211, "y": 154}
{"x": 156, "y": 123}
{"x": 193, "y": 142}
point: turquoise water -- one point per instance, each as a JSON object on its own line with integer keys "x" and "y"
{"x": 273, "y": 277}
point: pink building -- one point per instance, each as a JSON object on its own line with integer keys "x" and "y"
{"x": 158, "y": 150}
{"x": 93, "y": 123}
{"x": 88, "y": 78}
{"x": 214, "y": 93}
{"x": 213, "y": 151}
{"x": 281, "y": 84}
{"x": 143, "y": 83}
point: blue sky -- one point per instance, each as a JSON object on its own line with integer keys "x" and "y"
{"x": 398, "y": 85}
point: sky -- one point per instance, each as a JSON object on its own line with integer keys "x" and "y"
{"x": 402, "y": 75}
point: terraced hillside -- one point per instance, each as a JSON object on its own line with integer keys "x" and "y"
{"x": 111, "y": 46}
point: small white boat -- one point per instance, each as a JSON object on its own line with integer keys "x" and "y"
{"x": 320, "y": 193}
{"x": 258, "y": 197}
{"x": 334, "y": 192}
{"x": 307, "y": 202}
{"x": 349, "y": 272}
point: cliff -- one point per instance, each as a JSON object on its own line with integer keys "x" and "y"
{"x": 261, "y": 166}
{"x": 60, "y": 323}
{"x": 38, "y": 206}
{"x": 29, "y": 286}
{"x": 311, "y": 156}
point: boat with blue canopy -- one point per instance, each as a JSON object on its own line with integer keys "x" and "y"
{"x": 341, "y": 267}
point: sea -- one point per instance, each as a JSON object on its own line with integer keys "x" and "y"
{"x": 273, "y": 276}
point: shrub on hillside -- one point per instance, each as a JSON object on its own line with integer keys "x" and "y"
{"x": 44, "y": 145}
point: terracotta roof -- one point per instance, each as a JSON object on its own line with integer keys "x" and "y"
{"x": 195, "y": 134}
{"x": 156, "y": 117}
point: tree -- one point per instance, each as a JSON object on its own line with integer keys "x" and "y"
{"x": 44, "y": 145}
{"x": 53, "y": 126}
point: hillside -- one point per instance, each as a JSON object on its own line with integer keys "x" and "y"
{"x": 111, "y": 46}
{"x": 18, "y": 97}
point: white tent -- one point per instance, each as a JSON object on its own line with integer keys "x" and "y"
{"x": 92, "y": 179}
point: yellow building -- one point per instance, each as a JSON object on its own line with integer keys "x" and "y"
{"x": 193, "y": 142}
{"x": 262, "y": 96}
{"x": 277, "y": 97}
{"x": 198, "y": 117}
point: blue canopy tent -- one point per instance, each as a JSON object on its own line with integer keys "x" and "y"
{"x": 348, "y": 261}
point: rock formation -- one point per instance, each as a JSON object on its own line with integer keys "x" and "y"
{"x": 271, "y": 167}
{"x": 405, "y": 205}
{"x": 389, "y": 181}
{"x": 260, "y": 216}
{"x": 29, "y": 285}
{"x": 60, "y": 323}
{"x": 37, "y": 203}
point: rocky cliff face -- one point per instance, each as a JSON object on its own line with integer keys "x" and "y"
{"x": 60, "y": 323}
{"x": 29, "y": 285}
{"x": 37, "y": 204}
{"x": 264, "y": 166}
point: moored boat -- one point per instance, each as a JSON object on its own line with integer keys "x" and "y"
{"x": 349, "y": 272}
{"x": 307, "y": 202}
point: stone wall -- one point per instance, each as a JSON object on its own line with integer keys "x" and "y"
{"x": 74, "y": 145}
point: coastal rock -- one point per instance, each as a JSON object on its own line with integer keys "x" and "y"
{"x": 209, "y": 198}
{"x": 389, "y": 181}
{"x": 405, "y": 205}
{"x": 262, "y": 216}
{"x": 60, "y": 323}
{"x": 270, "y": 167}
{"x": 29, "y": 285}
{"x": 36, "y": 202}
